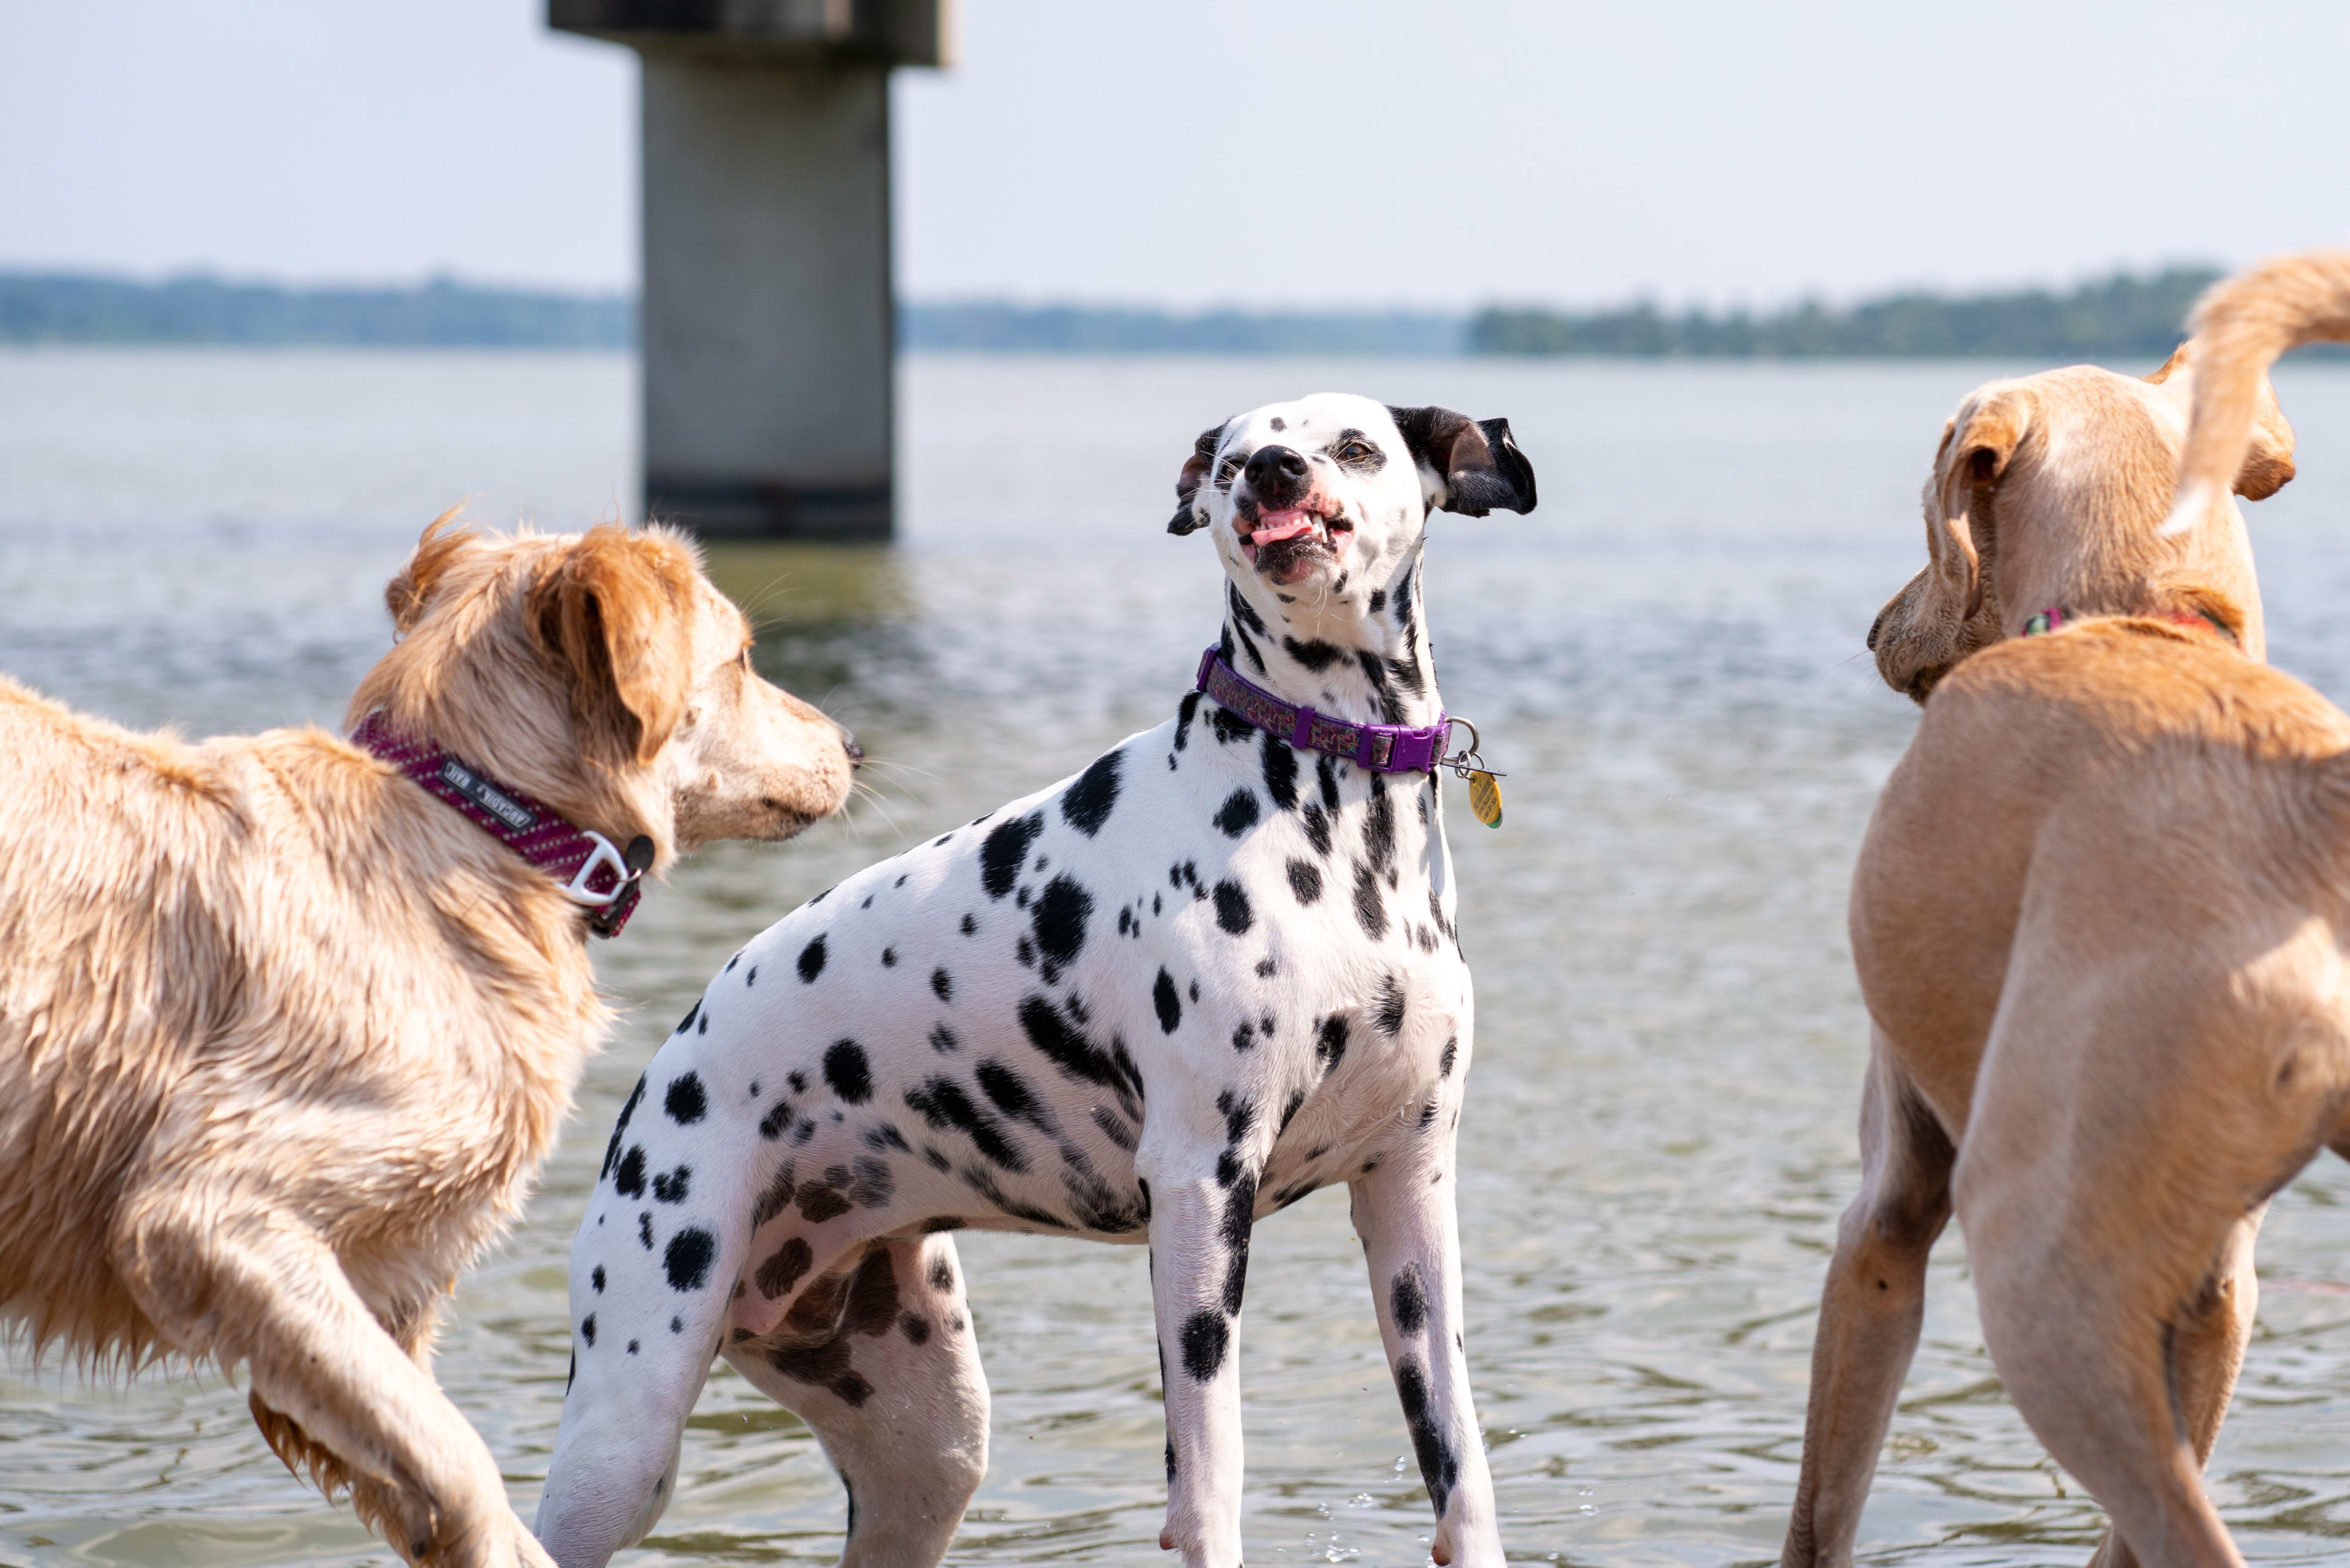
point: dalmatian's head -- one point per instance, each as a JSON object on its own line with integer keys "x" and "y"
{"x": 1308, "y": 498}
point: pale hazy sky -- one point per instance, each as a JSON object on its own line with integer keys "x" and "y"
{"x": 1310, "y": 153}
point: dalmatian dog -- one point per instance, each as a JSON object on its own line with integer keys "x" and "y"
{"x": 1212, "y": 972}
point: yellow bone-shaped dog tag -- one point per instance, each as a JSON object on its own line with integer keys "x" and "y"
{"x": 1485, "y": 798}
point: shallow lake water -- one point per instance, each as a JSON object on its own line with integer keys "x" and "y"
{"x": 1666, "y": 659}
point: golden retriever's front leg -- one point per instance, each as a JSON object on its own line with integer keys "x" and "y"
{"x": 236, "y": 1286}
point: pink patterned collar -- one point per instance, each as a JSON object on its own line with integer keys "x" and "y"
{"x": 590, "y": 871}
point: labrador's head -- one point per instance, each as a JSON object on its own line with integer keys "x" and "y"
{"x": 2050, "y": 492}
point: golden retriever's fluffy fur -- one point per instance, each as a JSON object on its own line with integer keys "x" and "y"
{"x": 2100, "y": 920}
{"x": 283, "y": 1038}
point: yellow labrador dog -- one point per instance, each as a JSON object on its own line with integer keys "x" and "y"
{"x": 288, "y": 1023}
{"x": 2098, "y": 920}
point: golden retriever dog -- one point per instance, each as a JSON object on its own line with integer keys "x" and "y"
{"x": 285, "y": 1034}
{"x": 2100, "y": 920}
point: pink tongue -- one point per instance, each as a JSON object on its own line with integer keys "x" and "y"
{"x": 1293, "y": 521}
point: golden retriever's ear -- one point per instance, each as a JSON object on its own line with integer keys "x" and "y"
{"x": 611, "y": 613}
{"x": 1977, "y": 446}
{"x": 443, "y": 540}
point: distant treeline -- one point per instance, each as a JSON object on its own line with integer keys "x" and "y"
{"x": 53, "y": 308}
{"x": 2122, "y": 317}
{"x": 986, "y": 327}
{"x": 2125, "y": 318}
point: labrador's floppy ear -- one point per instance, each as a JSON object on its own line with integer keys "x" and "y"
{"x": 406, "y": 596}
{"x": 1978, "y": 444}
{"x": 1949, "y": 609}
{"x": 610, "y": 614}
{"x": 1469, "y": 466}
{"x": 1190, "y": 515}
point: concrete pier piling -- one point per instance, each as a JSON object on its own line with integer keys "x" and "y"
{"x": 767, "y": 318}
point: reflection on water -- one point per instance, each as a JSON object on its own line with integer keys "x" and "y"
{"x": 1666, "y": 659}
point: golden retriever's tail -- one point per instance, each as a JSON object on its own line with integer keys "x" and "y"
{"x": 2240, "y": 326}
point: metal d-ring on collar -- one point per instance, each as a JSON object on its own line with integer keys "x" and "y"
{"x": 1466, "y": 761}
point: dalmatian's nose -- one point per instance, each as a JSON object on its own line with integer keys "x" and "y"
{"x": 1277, "y": 475}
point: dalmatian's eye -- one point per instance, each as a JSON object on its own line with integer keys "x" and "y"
{"x": 1228, "y": 471}
{"x": 1354, "y": 452}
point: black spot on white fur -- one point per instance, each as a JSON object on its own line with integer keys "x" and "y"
{"x": 1004, "y": 850}
{"x": 1408, "y": 1300}
{"x": 1086, "y": 803}
{"x": 1205, "y": 1338}
{"x": 1330, "y": 1043}
{"x": 687, "y": 1258}
{"x": 1061, "y": 912}
{"x": 1439, "y": 1467}
{"x": 1238, "y": 814}
{"x": 685, "y": 1102}
{"x": 1171, "y": 1007}
{"x": 847, "y": 1071}
{"x": 1370, "y": 910}
{"x": 1280, "y": 773}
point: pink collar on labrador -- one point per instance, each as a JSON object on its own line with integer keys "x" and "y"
{"x": 2057, "y": 618}
{"x": 589, "y": 869}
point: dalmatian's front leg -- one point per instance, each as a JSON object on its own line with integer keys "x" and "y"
{"x": 1199, "y": 1228}
{"x": 1403, "y": 1211}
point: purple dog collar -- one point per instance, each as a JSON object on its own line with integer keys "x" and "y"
{"x": 590, "y": 871}
{"x": 1381, "y": 748}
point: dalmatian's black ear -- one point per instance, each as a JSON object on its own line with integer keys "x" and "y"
{"x": 1475, "y": 463}
{"x": 1190, "y": 515}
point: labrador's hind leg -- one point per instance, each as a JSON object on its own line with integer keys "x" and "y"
{"x": 2207, "y": 1354}
{"x": 2111, "y": 1182}
{"x": 1871, "y": 1309}
{"x": 881, "y": 1360}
